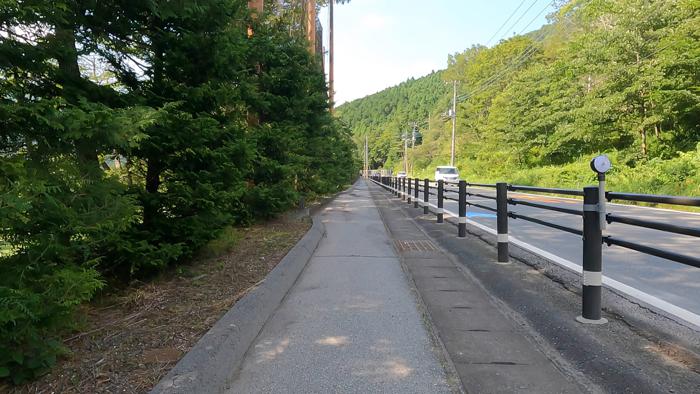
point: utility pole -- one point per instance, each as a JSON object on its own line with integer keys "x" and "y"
{"x": 405, "y": 153}
{"x": 257, "y": 6}
{"x": 454, "y": 121}
{"x": 413, "y": 134}
{"x": 331, "y": 93}
{"x": 310, "y": 16}
{"x": 366, "y": 157}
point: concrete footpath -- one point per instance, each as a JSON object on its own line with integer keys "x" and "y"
{"x": 351, "y": 323}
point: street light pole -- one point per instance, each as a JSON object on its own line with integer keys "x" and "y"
{"x": 454, "y": 121}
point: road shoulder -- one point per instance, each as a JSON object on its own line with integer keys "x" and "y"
{"x": 490, "y": 351}
{"x": 616, "y": 357}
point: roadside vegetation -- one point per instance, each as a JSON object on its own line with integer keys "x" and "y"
{"x": 130, "y": 338}
{"x": 134, "y": 133}
{"x": 618, "y": 77}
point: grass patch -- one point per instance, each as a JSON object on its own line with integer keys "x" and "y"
{"x": 225, "y": 243}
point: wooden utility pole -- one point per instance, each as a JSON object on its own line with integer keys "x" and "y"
{"x": 257, "y": 7}
{"x": 331, "y": 93}
{"x": 310, "y": 12}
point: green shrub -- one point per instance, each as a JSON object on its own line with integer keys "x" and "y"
{"x": 36, "y": 307}
{"x": 218, "y": 129}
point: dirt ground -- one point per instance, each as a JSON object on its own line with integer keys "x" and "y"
{"x": 131, "y": 339}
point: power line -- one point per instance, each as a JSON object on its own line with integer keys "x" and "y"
{"x": 537, "y": 16}
{"x": 490, "y": 81}
{"x": 520, "y": 17}
{"x": 504, "y": 23}
{"x": 526, "y": 54}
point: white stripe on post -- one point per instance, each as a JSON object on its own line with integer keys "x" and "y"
{"x": 592, "y": 278}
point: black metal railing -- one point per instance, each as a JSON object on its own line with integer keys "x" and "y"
{"x": 592, "y": 212}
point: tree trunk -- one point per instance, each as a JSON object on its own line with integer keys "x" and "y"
{"x": 71, "y": 81}
{"x": 150, "y": 205}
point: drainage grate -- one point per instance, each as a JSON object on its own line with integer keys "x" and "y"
{"x": 415, "y": 245}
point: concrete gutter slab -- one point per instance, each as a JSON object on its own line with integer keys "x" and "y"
{"x": 489, "y": 350}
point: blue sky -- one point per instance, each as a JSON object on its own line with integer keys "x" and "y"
{"x": 380, "y": 43}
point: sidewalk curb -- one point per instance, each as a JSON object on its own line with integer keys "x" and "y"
{"x": 211, "y": 363}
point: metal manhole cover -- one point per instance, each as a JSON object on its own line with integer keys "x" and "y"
{"x": 415, "y": 245}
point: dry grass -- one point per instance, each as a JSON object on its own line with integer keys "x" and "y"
{"x": 131, "y": 339}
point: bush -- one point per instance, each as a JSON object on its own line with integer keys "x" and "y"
{"x": 219, "y": 129}
{"x": 36, "y": 307}
{"x": 675, "y": 176}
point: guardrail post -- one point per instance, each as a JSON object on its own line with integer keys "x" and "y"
{"x": 408, "y": 199}
{"x": 462, "y": 203}
{"x": 395, "y": 184}
{"x": 441, "y": 188}
{"x": 592, "y": 259}
{"x": 415, "y": 193}
{"x": 403, "y": 189}
{"x": 502, "y": 221}
{"x": 426, "y": 195}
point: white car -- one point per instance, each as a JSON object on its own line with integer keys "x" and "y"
{"x": 401, "y": 174}
{"x": 446, "y": 173}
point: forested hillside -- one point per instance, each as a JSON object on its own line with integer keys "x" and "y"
{"x": 131, "y": 133}
{"x": 384, "y": 115}
{"x": 604, "y": 76}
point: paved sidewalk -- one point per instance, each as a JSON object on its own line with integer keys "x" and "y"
{"x": 351, "y": 323}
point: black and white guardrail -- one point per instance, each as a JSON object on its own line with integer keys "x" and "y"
{"x": 592, "y": 278}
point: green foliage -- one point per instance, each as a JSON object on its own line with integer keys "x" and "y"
{"x": 604, "y": 76}
{"x": 225, "y": 242}
{"x": 384, "y": 116}
{"x": 32, "y": 311}
{"x": 131, "y": 134}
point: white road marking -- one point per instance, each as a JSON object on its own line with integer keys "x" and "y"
{"x": 647, "y": 298}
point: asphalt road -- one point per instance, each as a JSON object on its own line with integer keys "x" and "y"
{"x": 667, "y": 280}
